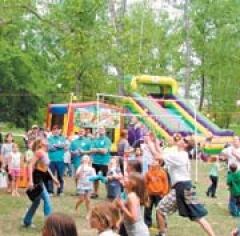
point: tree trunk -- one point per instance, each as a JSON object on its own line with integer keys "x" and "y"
{"x": 202, "y": 91}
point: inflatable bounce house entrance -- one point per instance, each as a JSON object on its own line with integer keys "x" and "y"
{"x": 90, "y": 115}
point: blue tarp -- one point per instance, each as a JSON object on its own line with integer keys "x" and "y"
{"x": 58, "y": 110}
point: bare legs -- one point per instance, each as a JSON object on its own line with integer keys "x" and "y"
{"x": 206, "y": 226}
{"x": 80, "y": 200}
{"x": 14, "y": 187}
{"x": 96, "y": 187}
{"x": 161, "y": 222}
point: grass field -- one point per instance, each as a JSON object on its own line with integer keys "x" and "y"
{"x": 12, "y": 210}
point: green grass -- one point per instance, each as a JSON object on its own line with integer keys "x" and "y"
{"x": 12, "y": 210}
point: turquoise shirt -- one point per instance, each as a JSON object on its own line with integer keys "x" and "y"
{"x": 81, "y": 143}
{"x": 214, "y": 170}
{"x": 56, "y": 145}
{"x": 101, "y": 142}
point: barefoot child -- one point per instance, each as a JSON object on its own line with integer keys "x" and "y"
{"x": 84, "y": 186}
{"x": 14, "y": 165}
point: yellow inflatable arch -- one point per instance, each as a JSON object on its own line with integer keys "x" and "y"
{"x": 168, "y": 84}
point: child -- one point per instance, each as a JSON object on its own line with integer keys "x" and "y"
{"x": 14, "y": 165}
{"x": 156, "y": 181}
{"x": 59, "y": 224}
{"x": 104, "y": 218}
{"x": 138, "y": 154}
{"x": 67, "y": 161}
{"x": 3, "y": 177}
{"x": 136, "y": 196}
{"x": 84, "y": 186}
{"x": 29, "y": 153}
{"x": 114, "y": 177}
{"x": 233, "y": 180}
{"x": 213, "y": 175}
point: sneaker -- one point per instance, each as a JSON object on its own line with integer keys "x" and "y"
{"x": 50, "y": 194}
{"x": 61, "y": 194}
{"x": 31, "y": 226}
{"x": 161, "y": 234}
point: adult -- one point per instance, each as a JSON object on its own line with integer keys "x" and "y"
{"x": 149, "y": 152}
{"x": 136, "y": 132}
{"x": 79, "y": 147}
{"x": 39, "y": 175}
{"x": 232, "y": 153}
{"x": 56, "y": 147}
{"x": 123, "y": 148}
{"x": 182, "y": 196}
{"x": 33, "y": 133}
{"x": 100, "y": 156}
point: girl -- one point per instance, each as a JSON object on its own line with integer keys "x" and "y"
{"x": 14, "y": 167}
{"x": 59, "y": 224}
{"x": 84, "y": 186}
{"x": 5, "y": 151}
{"x": 114, "y": 177}
{"x": 213, "y": 176}
{"x": 136, "y": 196}
{"x": 104, "y": 218}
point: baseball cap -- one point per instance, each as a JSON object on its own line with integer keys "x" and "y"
{"x": 34, "y": 126}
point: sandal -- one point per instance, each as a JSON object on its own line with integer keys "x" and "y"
{"x": 94, "y": 196}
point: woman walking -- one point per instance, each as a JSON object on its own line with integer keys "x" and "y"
{"x": 39, "y": 174}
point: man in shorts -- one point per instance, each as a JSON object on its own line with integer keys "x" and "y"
{"x": 182, "y": 196}
{"x": 100, "y": 156}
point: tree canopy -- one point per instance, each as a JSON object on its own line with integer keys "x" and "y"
{"x": 51, "y": 48}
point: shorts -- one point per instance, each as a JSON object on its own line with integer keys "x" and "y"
{"x": 84, "y": 191}
{"x": 184, "y": 200}
{"x": 168, "y": 205}
{"x": 100, "y": 167}
{"x": 15, "y": 172}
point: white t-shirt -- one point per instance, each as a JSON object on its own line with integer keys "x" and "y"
{"x": 16, "y": 160}
{"x": 178, "y": 165}
{"x": 232, "y": 159}
{"x": 84, "y": 173}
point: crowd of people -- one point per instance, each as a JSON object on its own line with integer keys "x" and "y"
{"x": 142, "y": 175}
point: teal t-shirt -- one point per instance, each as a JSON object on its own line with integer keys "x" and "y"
{"x": 56, "y": 145}
{"x": 101, "y": 142}
{"x": 214, "y": 170}
{"x": 81, "y": 143}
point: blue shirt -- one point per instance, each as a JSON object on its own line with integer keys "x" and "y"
{"x": 102, "y": 142}
{"x": 56, "y": 145}
{"x": 80, "y": 143}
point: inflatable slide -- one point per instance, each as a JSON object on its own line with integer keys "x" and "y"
{"x": 164, "y": 111}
